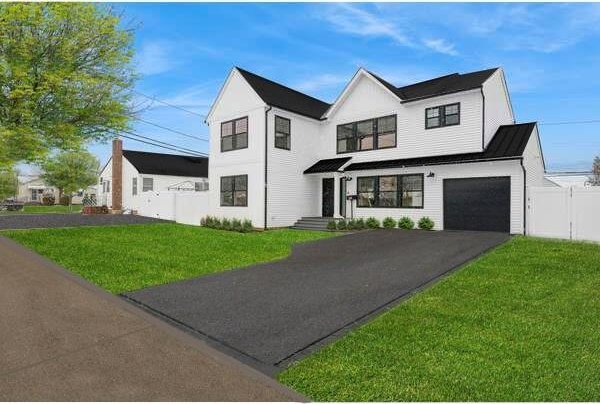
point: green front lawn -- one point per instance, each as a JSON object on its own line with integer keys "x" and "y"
{"x": 125, "y": 258}
{"x": 33, "y": 209}
{"x": 520, "y": 324}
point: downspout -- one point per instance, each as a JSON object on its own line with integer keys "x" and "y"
{"x": 524, "y": 197}
{"x": 266, "y": 159}
{"x": 482, "y": 120}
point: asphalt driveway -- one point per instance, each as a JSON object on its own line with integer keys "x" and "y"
{"x": 49, "y": 220}
{"x": 271, "y": 314}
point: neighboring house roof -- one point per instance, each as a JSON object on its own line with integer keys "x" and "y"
{"x": 167, "y": 164}
{"x": 283, "y": 97}
{"x": 508, "y": 143}
{"x": 448, "y": 84}
{"x": 327, "y": 165}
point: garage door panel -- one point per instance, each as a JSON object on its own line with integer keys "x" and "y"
{"x": 477, "y": 204}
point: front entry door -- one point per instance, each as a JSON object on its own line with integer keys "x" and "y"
{"x": 328, "y": 190}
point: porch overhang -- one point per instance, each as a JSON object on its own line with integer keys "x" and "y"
{"x": 327, "y": 165}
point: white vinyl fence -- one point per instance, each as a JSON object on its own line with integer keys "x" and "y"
{"x": 180, "y": 206}
{"x": 567, "y": 213}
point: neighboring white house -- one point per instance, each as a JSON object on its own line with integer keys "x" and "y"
{"x": 446, "y": 148}
{"x": 567, "y": 179}
{"x": 32, "y": 190}
{"x": 146, "y": 171}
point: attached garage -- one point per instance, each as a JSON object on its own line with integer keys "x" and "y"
{"x": 481, "y": 204}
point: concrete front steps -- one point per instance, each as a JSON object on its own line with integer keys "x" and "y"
{"x": 312, "y": 223}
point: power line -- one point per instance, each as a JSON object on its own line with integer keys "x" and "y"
{"x": 169, "y": 104}
{"x": 571, "y": 122}
{"x": 171, "y": 130}
{"x": 159, "y": 143}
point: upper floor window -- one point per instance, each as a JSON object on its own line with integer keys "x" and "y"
{"x": 234, "y": 134}
{"x": 391, "y": 191}
{"x": 234, "y": 190}
{"x": 134, "y": 186}
{"x": 147, "y": 184}
{"x": 377, "y": 133}
{"x": 444, "y": 115}
{"x": 283, "y": 138}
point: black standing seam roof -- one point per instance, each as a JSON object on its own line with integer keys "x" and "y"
{"x": 167, "y": 164}
{"x": 283, "y": 97}
{"x": 508, "y": 142}
{"x": 448, "y": 84}
{"x": 327, "y": 165}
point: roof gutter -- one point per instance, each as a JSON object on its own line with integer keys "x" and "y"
{"x": 440, "y": 163}
{"x": 266, "y": 161}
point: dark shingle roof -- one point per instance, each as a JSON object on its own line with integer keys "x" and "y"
{"x": 448, "y": 84}
{"x": 167, "y": 164}
{"x": 327, "y": 165}
{"x": 508, "y": 143}
{"x": 283, "y": 97}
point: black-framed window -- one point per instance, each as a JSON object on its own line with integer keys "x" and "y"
{"x": 134, "y": 186}
{"x": 444, "y": 115}
{"x": 370, "y": 134}
{"x": 147, "y": 184}
{"x": 283, "y": 133}
{"x": 234, "y": 134}
{"x": 234, "y": 190}
{"x": 390, "y": 191}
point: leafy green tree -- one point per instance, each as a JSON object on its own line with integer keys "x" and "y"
{"x": 595, "y": 177}
{"x": 8, "y": 183}
{"x": 65, "y": 74}
{"x": 70, "y": 171}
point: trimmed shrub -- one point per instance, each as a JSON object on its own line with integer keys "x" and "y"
{"x": 406, "y": 223}
{"x": 425, "y": 223}
{"x": 65, "y": 200}
{"x": 48, "y": 200}
{"x": 360, "y": 224}
{"x": 342, "y": 224}
{"x": 331, "y": 225}
{"x": 247, "y": 226}
{"x": 389, "y": 223}
{"x": 372, "y": 223}
{"x": 351, "y": 224}
{"x": 225, "y": 224}
{"x": 203, "y": 221}
{"x": 236, "y": 225}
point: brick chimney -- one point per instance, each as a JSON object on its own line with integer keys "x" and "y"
{"x": 117, "y": 175}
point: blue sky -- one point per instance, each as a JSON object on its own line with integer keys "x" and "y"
{"x": 550, "y": 53}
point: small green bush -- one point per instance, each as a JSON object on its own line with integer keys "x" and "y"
{"x": 225, "y": 224}
{"x": 247, "y": 226}
{"x": 342, "y": 224}
{"x": 331, "y": 225}
{"x": 425, "y": 223}
{"x": 389, "y": 223}
{"x": 372, "y": 223}
{"x": 48, "y": 200}
{"x": 236, "y": 225}
{"x": 65, "y": 200}
{"x": 360, "y": 224}
{"x": 351, "y": 224}
{"x": 406, "y": 223}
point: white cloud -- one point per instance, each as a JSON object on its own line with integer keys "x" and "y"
{"x": 155, "y": 58}
{"x": 441, "y": 45}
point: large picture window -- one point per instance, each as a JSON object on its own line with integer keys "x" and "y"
{"x": 283, "y": 128}
{"x": 391, "y": 191}
{"x": 234, "y": 190}
{"x": 444, "y": 115}
{"x": 377, "y": 133}
{"x": 234, "y": 134}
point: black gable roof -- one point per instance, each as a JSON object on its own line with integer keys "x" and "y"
{"x": 448, "y": 84}
{"x": 508, "y": 142}
{"x": 283, "y": 97}
{"x": 167, "y": 164}
{"x": 327, "y": 165}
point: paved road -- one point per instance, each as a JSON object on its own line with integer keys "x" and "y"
{"x": 34, "y": 221}
{"x": 271, "y": 314}
{"x": 62, "y": 339}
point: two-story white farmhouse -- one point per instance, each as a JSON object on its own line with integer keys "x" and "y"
{"x": 446, "y": 148}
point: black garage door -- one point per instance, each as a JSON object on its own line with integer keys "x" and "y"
{"x": 477, "y": 204}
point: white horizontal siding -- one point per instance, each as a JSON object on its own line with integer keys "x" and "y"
{"x": 497, "y": 108}
{"x": 433, "y": 190}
